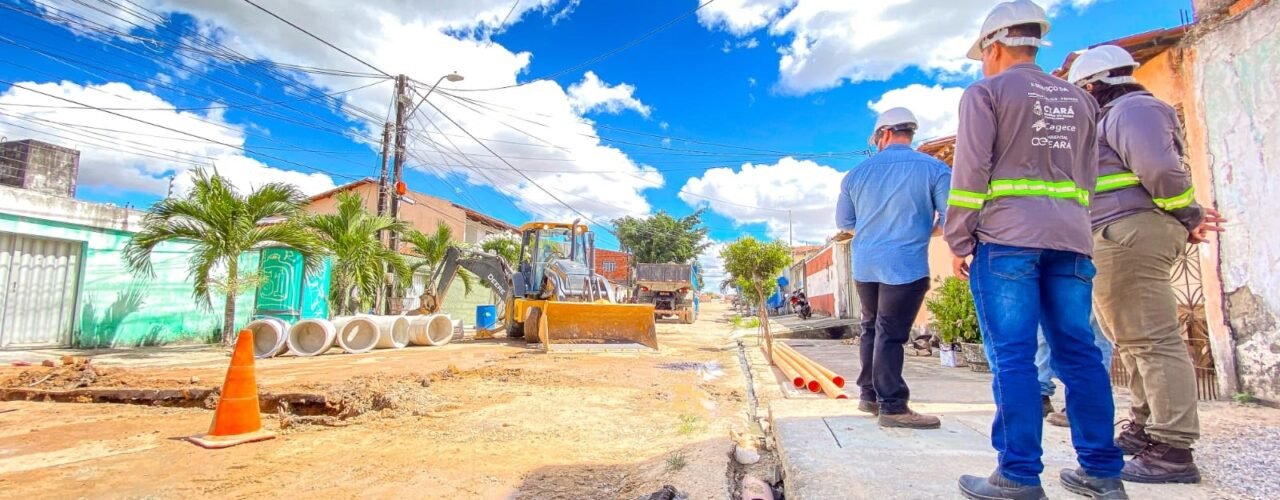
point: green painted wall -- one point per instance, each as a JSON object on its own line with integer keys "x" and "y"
{"x": 116, "y": 308}
{"x": 285, "y": 292}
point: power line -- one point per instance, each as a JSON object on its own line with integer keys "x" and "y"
{"x": 241, "y": 148}
{"x": 321, "y": 40}
{"x": 205, "y": 108}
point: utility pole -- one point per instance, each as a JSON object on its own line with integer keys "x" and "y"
{"x": 402, "y": 102}
{"x": 382, "y": 179}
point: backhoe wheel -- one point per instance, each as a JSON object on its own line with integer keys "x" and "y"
{"x": 516, "y": 330}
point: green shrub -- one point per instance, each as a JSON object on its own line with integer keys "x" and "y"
{"x": 954, "y": 317}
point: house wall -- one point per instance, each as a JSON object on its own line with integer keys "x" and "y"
{"x": 621, "y": 266}
{"x": 1236, "y": 64}
{"x": 424, "y": 214}
{"x": 114, "y": 307}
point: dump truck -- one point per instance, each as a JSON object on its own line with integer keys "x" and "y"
{"x": 553, "y": 297}
{"x": 671, "y": 288}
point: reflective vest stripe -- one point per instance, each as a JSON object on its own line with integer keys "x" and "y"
{"x": 1033, "y": 187}
{"x": 1183, "y": 200}
{"x": 966, "y": 199}
{"x": 1117, "y": 181}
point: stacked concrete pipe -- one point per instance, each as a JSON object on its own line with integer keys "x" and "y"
{"x": 393, "y": 332}
{"x": 429, "y": 330}
{"x": 269, "y": 336}
{"x": 356, "y": 334}
{"x": 311, "y": 337}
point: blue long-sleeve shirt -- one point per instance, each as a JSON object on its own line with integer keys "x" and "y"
{"x": 890, "y": 202}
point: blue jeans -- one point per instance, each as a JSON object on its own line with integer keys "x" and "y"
{"x": 1015, "y": 289}
{"x": 1045, "y": 373}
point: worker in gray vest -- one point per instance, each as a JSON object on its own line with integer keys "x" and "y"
{"x": 1025, "y": 166}
{"x": 1144, "y": 213}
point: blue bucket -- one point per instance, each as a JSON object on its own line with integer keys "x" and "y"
{"x": 486, "y": 316}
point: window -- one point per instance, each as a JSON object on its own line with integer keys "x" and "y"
{"x": 610, "y": 266}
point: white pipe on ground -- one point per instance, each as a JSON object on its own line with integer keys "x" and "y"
{"x": 269, "y": 335}
{"x": 356, "y": 334}
{"x": 432, "y": 329}
{"x": 393, "y": 331}
{"x": 311, "y": 337}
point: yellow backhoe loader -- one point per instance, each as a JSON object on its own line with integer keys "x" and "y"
{"x": 553, "y": 297}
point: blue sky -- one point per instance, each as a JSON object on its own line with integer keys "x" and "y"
{"x": 726, "y": 86}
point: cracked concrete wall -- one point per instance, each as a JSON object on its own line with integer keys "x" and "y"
{"x": 1238, "y": 62}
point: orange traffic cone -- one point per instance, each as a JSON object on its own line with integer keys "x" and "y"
{"x": 236, "y": 421}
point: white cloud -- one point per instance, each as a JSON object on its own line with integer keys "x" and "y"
{"x": 392, "y": 35}
{"x": 937, "y": 107}
{"x": 713, "y": 266}
{"x": 117, "y": 153}
{"x": 832, "y": 42}
{"x": 741, "y": 17}
{"x": 764, "y": 194}
{"x": 564, "y": 12}
{"x": 592, "y": 95}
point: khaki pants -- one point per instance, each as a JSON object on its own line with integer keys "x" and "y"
{"x": 1135, "y": 257}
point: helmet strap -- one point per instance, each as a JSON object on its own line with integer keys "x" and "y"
{"x": 1003, "y": 37}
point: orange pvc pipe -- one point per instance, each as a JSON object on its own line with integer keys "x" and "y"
{"x": 824, "y": 383}
{"x": 813, "y": 365}
{"x": 810, "y": 377}
{"x": 790, "y": 371}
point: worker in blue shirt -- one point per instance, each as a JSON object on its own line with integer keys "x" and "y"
{"x": 892, "y": 203}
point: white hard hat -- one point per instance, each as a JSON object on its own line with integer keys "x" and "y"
{"x": 894, "y": 117}
{"x": 1093, "y": 65}
{"x": 1009, "y": 14}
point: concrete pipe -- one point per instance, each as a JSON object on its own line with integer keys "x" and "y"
{"x": 393, "y": 332}
{"x": 311, "y": 337}
{"x": 269, "y": 335}
{"x": 432, "y": 329}
{"x": 356, "y": 334}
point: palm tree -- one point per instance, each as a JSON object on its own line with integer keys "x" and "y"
{"x": 223, "y": 224}
{"x": 431, "y": 249}
{"x": 360, "y": 259}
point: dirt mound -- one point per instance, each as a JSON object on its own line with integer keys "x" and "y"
{"x": 81, "y": 373}
{"x": 393, "y": 396}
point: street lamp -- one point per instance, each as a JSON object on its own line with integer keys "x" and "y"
{"x": 452, "y": 77}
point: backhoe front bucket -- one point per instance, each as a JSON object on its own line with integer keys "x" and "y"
{"x": 597, "y": 323}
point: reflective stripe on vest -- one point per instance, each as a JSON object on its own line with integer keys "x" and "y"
{"x": 1019, "y": 187}
{"x": 966, "y": 199}
{"x": 1183, "y": 200}
{"x": 1117, "y": 181}
{"x": 1033, "y": 187}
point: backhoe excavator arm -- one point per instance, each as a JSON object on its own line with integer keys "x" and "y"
{"x": 490, "y": 268}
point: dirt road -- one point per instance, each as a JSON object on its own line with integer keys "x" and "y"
{"x": 503, "y": 422}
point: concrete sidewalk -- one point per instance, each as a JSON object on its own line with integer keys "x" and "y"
{"x": 830, "y": 450}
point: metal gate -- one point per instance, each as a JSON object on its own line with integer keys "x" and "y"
{"x": 39, "y": 278}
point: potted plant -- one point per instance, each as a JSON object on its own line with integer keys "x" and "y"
{"x": 955, "y": 319}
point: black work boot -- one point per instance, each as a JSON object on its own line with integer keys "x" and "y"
{"x": 1046, "y": 406}
{"x": 871, "y": 407}
{"x": 998, "y": 487}
{"x": 1133, "y": 438}
{"x": 1081, "y": 483}
{"x": 1161, "y": 463}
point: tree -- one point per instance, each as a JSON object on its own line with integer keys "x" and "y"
{"x": 223, "y": 224}
{"x": 361, "y": 260}
{"x": 431, "y": 248}
{"x": 663, "y": 238}
{"x": 755, "y": 266}
{"x": 505, "y": 245}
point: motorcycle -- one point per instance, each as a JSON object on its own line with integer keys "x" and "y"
{"x": 800, "y": 304}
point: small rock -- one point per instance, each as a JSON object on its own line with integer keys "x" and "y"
{"x": 21, "y": 363}
{"x": 745, "y": 455}
{"x": 753, "y": 488}
{"x": 68, "y": 360}
{"x": 49, "y": 363}
{"x": 195, "y": 379}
